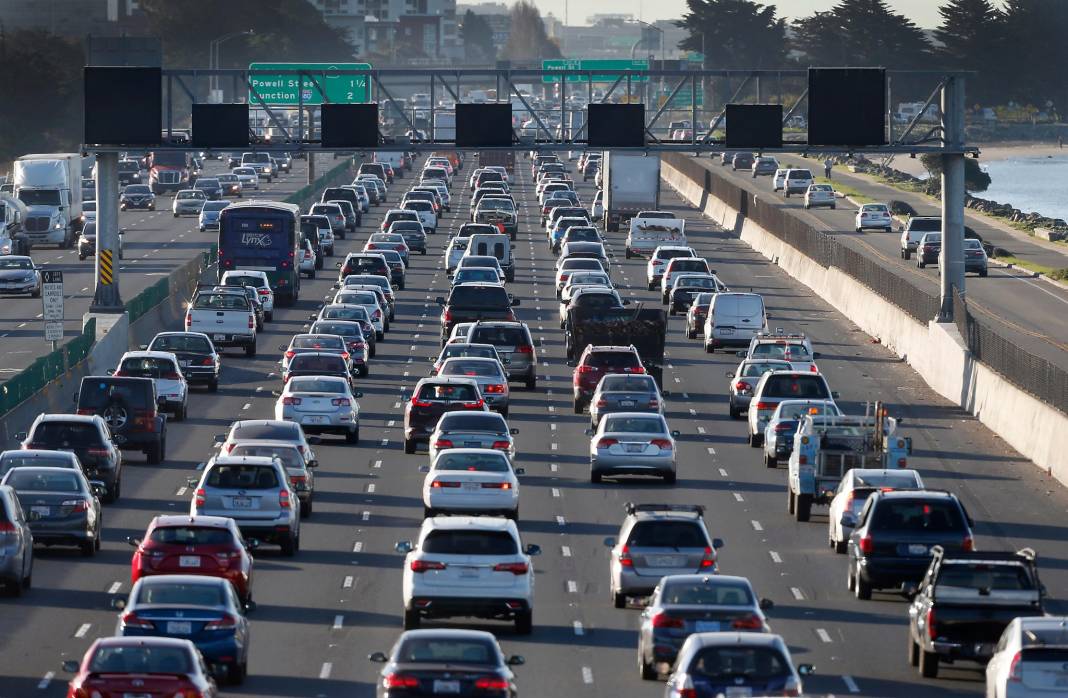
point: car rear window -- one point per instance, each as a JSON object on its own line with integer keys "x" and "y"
{"x": 689, "y": 264}
{"x": 787, "y": 352}
{"x": 612, "y": 359}
{"x": 267, "y": 432}
{"x": 499, "y": 336}
{"x": 188, "y": 343}
{"x": 479, "y": 298}
{"x": 460, "y": 367}
{"x": 147, "y": 367}
{"x": 97, "y": 392}
{"x": 141, "y": 659}
{"x": 341, "y": 329}
{"x": 441, "y": 391}
{"x": 627, "y": 383}
{"x": 446, "y": 650}
{"x": 220, "y": 301}
{"x": 316, "y": 384}
{"x": 161, "y": 592}
{"x": 983, "y": 575}
{"x": 706, "y": 594}
{"x": 918, "y": 515}
{"x": 71, "y": 433}
{"x": 792, "y": 386}
{"x": 753, "y": 663}
{"x": 633, "y": 425}
{"x": 352, "y": 313}
{"x": 14, "y": 460}
{"x": 242, "y": 477}
{"x": 289, "y": 455}
{"x": 667, "y": 534}
{"x": 365, "y": 265}
{"x": 485, "y": 421}
{"x": 759, "y": 368}
{"x": 191, "y": 535}
{"x": 310, "y": 362}
{"x": 925, "y": 224}
{"x": 799, "y": 174}
{"x": 473, "y": 462}
{"x": 495, "y": 543}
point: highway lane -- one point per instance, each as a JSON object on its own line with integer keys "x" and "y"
{"x": 321, "y": 612}
{"x": 155, "y": 243}
{"x": 1032, "y": 312}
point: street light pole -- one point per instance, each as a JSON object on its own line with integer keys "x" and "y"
{"x": 213, "y": 53}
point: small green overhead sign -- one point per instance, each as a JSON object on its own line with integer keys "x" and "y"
{"x": 280, "y": 89}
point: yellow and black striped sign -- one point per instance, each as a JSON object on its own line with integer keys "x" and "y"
{"x": 106, "y": 270}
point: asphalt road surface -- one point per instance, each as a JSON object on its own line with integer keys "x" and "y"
{"x": 323, "y": 611}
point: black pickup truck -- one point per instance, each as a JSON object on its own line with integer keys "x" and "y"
{"x": 965, "y": 602}
{"x": 644, "y": 328}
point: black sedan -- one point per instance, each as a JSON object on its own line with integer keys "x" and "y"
{"x": 446, "y": 662}
{"x": 137, "y": 196}
{"x": 196, "y": 356}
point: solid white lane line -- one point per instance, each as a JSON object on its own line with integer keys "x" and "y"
{"x": 82, "y": 630}
{"x": 757, "y": 526}
{"x": 823, "y": 635}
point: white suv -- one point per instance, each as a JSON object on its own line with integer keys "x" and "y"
{"x": 256, "y": 279}
{"x": 797, "y": 181}
{"x": 468, "y": 566}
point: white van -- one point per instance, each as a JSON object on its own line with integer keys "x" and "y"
{"x": 499, "y": 246}
{"x": 733, "y": 320}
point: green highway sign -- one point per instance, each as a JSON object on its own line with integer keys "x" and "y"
{"x": 594, "y": 64}
{"x": 279, "y": 89}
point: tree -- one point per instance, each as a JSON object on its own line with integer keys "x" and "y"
{"x": 975, "y": 179}
{"x": 528, "y": 40}
{"x": 477, "y": 37}
{"x": 1035, "y": 52}
{"x": 971, "y": 38}
{"x": 734, "y": 33}
{"x": 863, "y": 33}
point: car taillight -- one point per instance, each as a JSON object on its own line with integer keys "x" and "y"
{"x": 812, "y": 368}
{"x": 78, "y": 506}
{"x": 931, "y": 631}
{"x": 635, "y": 369}
{"x": 606, "y": 442}
{"x": 750, "y": 622}
{"x": 188, "y": 320}
{"x": 443, "y": 443}
{"x": 227, "y": 622}
{"x": 968, "y": 544}
{"x": 131, "y": 620}
{"x": 654, "y": 403}
{"x": 624, "y": 557}
{"x": 765, "y": 405}
{"x": 416, "y": 402}
{"x": 446, "y": 316}
{"x": 564, "y": 277}
{"x": 686, "y": 692}
{"x": 496, "y": 485}
{"x": 586, "y": 369}
{"x": 99, "y": 452}
{"x": 283, "y": 499}
{"x": 742, "y": 387}
{"x": 524, "y": 349}
{"x": 661, "y": 443}
{"x": 515, "y": 568}
{"x": 118, "y": 373}
{"x": 400, "y": 681}
{"x": 290, "y": 354}
{"x": 199, "y": 497}
{"x": 709, "y": 557}
{"x": 173, "y": 376}
{"x": 495, "y": 388}
{"x": 786, "y": 427}
{"x": 602, "y": 403}
{"x": 377, "y": 315}
{"x": 867, "y": 545}
{"x": 421, "y": 566}
{"x": 208, "y": 362}
{"x": 663, "y": 620}
{"x": 491, "y": 683}
{"x": 443, "y": 484}
{"x": 1015, "y": 670}
{"x": 341, "y": 402}
{"x": 501, "y": 445}
{"x": 6, "y": 527}
{"x": 291, "y": 400}
{"x": 251, "y": 321}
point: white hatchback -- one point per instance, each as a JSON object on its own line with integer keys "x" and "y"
{"x": 471, "y": 480}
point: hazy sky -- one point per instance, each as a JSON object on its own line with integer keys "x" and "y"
{"x": 922, "y": 12}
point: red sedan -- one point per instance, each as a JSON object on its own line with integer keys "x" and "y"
{"x": 143, "y": 666}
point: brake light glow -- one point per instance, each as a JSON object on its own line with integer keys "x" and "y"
{"x": 443, "y": 443}
{"x": 283, "y": 499}
{"x": 491, "y": 683}
{"x": 227, "y": 622}
{"x": 663, "y": 620}
{"x": 867, "y": 545}
{"x": 77, "y": 506}
{"x": 416, "y": 402}
{"x": 99, "y": 452}
{"x": 624, "y": 557}
{"x": 495, "y": 388}
{"x": 200, "y": 497}
{"x": 421, "y": 566}
{"x": 291, "y": 400}
{"x": 663, "y": 444}
{"x": 131, "y": 620}
{"x": 749, "y": 622}
{"x": 1015, "y": 670}
{"x": 501, "y": 445}
{"x": 524, "y": 349}
{"x": 968, "y": 545}
{"x": 400, "y": 680}
{"x": 516, "y": 568}
{"x": 440, "y": 484}
{"x": 709, "y": 558}
{"x": 341, "y": 402}
{"x": 586, "y": 369}
{"x": 931, "y": 630}
{"x": 742, "y": 386}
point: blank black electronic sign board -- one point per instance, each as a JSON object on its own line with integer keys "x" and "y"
{"x": 123, "y": 106}
{"x": 350, "y": 125}
{"x": 484, "y": 125}
{"x": 754, "y": 126}
{"x": 616, "y": 125}
{"x": 220, "y": 125}
{"x": 847, "y": 106}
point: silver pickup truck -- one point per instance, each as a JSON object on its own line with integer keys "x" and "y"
{"x": 224, "y": 314}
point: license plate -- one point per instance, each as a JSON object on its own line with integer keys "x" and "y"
{"x": 726, "y": 330}
{"x": 313, "y": 419}
{"x": 179, "y": 627}
{"x": 663, "y": 561}
{"x": 136, "y": 695}
{"x": 189, "y": 561}
{"x": 738, "y": 692}
{"x": 635, "y": 448}
{"x": 242, "y": 502}
{"x": 472, "y": 444}
{"x": 468, "y": 572}
{"x": 219, "y": 337}
{"x": 446, "y": 686}
{"x": 917, "y": 549}
{"x": 470, "y": 486}
{"x": 708, "y": 626}
{"x": 184, "y": 364}
{"x": 41, "y": 511}
{"x": 626, "y": 403}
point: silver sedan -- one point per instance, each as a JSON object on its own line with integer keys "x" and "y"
{"x": 635, "y": 443}
{"x": 744, "y": 381}
{"x": 321, "y": 404}
{"x": 468, "y": 429}
{"x": 488, "y": 373}
{"x": 624, "y": 393}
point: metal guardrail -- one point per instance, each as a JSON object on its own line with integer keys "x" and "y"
{"x": 32, "y": 379}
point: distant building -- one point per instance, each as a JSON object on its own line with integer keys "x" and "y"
{"x": 392, "y": 28}
{"x": 616, "y": 36}
{"x": 71, "y": 17}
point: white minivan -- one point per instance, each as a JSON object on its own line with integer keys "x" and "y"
{"x": 499, "y": 246}
{"x": 733, "y": 320}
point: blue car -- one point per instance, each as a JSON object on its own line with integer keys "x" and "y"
{"x": 202, "y": 609}
{"x": 209, "y": 215}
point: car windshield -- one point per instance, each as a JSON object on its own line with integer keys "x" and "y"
{"x": 633, "y": 425}
{"x": 710, "y": 592}
{"x": 289, "y": 455}
{"x": 34, "y": 480}
{"x": 141, "y": 658}
{"x": 137, "y": 189}
{"x": 15, "y": 263}
{"x": 496, "y": 543}
{"x": 446, "y": 651}
{"x": 627, "y": 383}
{"x": 473, "y": 462}
{"x": 782, "y": 350}
{"x": 739, "y": 662}
{"x": 242, "y": 476}
{"x": 918, "y": 515}
{"x": 191, "y": 535}
{"x": 794, "y": 386}
{"x": 163, "y": 592}
{"x": 318, "y": 385}
{"x": 484, "y": 421}
{"x": 267, "y": 432}
{"x": 667, "y": 534}
{"x": 67, "y": 433}
{"x": 479, "y": 297}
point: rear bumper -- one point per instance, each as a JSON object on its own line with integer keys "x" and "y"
{"x": 884, "y": 573}
{"x": 481, "y": 607}
{"x": 969, "y": 651}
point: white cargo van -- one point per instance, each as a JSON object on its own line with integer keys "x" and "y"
{"x": 499, "y": 246}
{"x": 733, "y": 320}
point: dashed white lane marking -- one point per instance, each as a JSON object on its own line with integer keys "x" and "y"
{"x": 693, "y": 412}
{"x": 385, "y": 442}
{"x": 700, "y": 430}
{"x": 722, "y": 472}
{"x": 560, "y": 521}
{"x": 823, "y": 635}
{"x": 565, "y": 550}
{"x": 396, "y": 405}
{"x": 577, "y": 626}
{"x": 366, "y": 516}
{"x": 347, "y": 584}
{"x": 338, "y": 621}
{"x": 737, "y": 497}
{"x": 324, "y": 673}
{"x": 259, "y": 388}
{"x": 82, "y": 630}
{"x": 587, "y": 675}
{"x": 371, "y": 488}
{"x": 554, "y": 467}
{"x": 552, "y": 427}
{"x": 757, "y": 526}
{"x": 711, "y": 451}
{"x": 246, "y": 406}
{"x": 775, "y": 557}
{"x": 553, "y": 446}
{"x": 378, "y": 464}
{"x": 850, "y": 684}
{"x": 572, "y": 586}
{"x": 552, "y": 409}
{"x": 45, "y": 680}
{"x": 114, "y": 588}
{"x": 391, "y": 422}
{"x": 181, "y": 492}
{"x": 798, "y": 595}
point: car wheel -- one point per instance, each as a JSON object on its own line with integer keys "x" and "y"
{"x": 27, "y": 581}
{"x": 81, "y": 258}
{"x": 532, "y": 382}
{"x": 595, "y": 477}
{"x": 928, "y": 664}
{"x": 179, "y": 414}
{"x": 804, "y": 507}
{"x": 920, "y": 264}
{"x": 411, "y": 620}
{"x": 88, "y": 548}
{"x": 914, "y": 652}
{"x": 670, "y": 478}
{"x": 409, "y": 446}
{"x": 862, "y": 590}
{"x": 306, "y": 510}
{"x": 213, "y": 386}
{"x": 647, "y": 671}
{"x": 734, "y": 411}
{"x": 791, "y": 501}
{"x": 851, "y": 581}
{"x": 982, "y": 272}
{"x": 756, "y": 440}
{"x": 429, "y": 513}
{"x": 363, "y": 371}
{"x": 840, "y": 546}
{"x": 352, "y": 437}
{"x": 250, "y": 350}
{"x": 202, "y": 229}
{"x": 236, "y": 673}
{"x": 770, "y": 461}
{"x": 524, "y": 622}
{"x": 709, "y": 349}
{"x": 289, "y": 546}
{"x": 619, "y": 600}
{"x": 691, "y": 334}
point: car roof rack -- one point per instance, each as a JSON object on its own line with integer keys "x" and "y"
{"x": 632, "y": 508}
{"x": 1023, "y": 554}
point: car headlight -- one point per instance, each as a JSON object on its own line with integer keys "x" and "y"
{"x": 59, "y": 226}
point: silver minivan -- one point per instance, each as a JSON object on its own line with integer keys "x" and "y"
{"x": 499, "y": 246}
{"x": 733, "y": 319}
{"x": 256, "y": 492}
{"x": 16, "y": 540}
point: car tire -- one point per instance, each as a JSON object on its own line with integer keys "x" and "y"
{"x": 411, "y": 620}
{"x": 179, "y": 414}
{"x": 804, "y": 507}
{"x": 907, "y": 254}
{"x": 532, "y": 383}
{"x": 504, "y": 413}
{"x": 363, "y": 371}
{"x": 268, "y": 315}
{"x": 982, "y": 272}
{"x": 155, "y": 453}
{"x": 709, "y": 349}
{"x": 81, "y": 258}
{"x": 914, "y": 652}
{"x": 409, "y": 446}
{"x": 851, "y": 581}
{"x": 306, "y": 511}
{"x": 670, "y": 478}
{"x": 840, "y": 546}
{"x": 629, "y": 255}
{"x": 236, "y": 673}
{"x": 791, "y": 502}
{"x": 691, "y": 334}
{"x": 352, "y": 437}
{"x": 88, "y": 548}
{"x": 862, "y": 590}
{"x": 919, "y": 263}
{"x": 770, "y": 461}
{"x": 619, "y": 600}
{"x": 289, "y": 546}
{"x": 734, "y": 411}
{"x": 756, "y": 440}
{"x": 513, "y": 514}
{"x": 213, "y": 386}
{"x": 250, "y": 350}
{"x": 577, "y": 406}
{"x": 647, "y": 671}
{"x": 928, "y": 664}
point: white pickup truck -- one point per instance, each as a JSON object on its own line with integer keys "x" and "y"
{"x": 651, "y": 229}
{"x": 224, "y": 314}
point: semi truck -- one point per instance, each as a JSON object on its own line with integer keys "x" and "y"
{"x": 49, "y": 184}
{"x": 168, "y": 171}
{"x": 13, "y": 214}
{"x": 501, "y": 158}
{"x": 631, "y": 185}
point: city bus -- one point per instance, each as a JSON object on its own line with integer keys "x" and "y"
{"x": 263, "y": 236}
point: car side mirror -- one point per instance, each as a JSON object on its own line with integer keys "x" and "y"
{"x": 816, "y": 355}
{"x": 134, "y": 542}
{"x": 377, "y": 658}
{"x": 338, "y": 265}
{"x": 220, "y": 438}
{"x": 588, "y": 431}
{"x": 252, "y": 543}
{"x": 740, "y": 354}
{"x": 314, "y": 440}
{"x": 908, "y": 444}
{"x": 110, "y": 371}
{"x": 626, "y": 301}
{"x": 516, "y": 660}
{"x": 276, "y": 393}
{"x": 766, "y": 604}
{"x": 282, "y": 347}
{"x": 99, "y": 488}
{"x": 609, "y": 542}
{"x": 313, "y": 463}
{"x": 118, "y": 604}
{"x": 532, "y": 549}
{"x": 515, "y": 302}
{"x": 676, "y": 433}
{"x": 806, "y": 669}
{"x": 910, "y": 589}
{"x": 404, "y": 547}
{"x": 848, "y": 520}
{"x": 440, "y": 300}
{"x": 520, "y": 471}
{"x": 144, "y": 347}
{"x": 718, "y": 543}
{"x": 835, "y": 394}
{"x": 192, "y": 481}
{"x": 71, "y": 666}
{"x": 571, "y": 363}
{"x": 357, "y": 394}
{"x": 20, "y": 436}
{"x": 513, "y": 432}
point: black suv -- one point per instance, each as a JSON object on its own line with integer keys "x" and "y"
{"x": 88, "y": 437}
{"x": 345, "y": 194}
{"x": 892, "y": 538}
{"x": 361, "y": 263}
{"x": 433, "y": 397}
{"x": 195, "y": 353}
{"x": 473, "y": 302}
{"x": 129, "y": 407}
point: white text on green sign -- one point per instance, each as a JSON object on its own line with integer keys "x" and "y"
{"x": 594, "y": 64}
{"x": 279, "y": 88}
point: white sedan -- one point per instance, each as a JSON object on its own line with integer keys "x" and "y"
{"x": 819, "y": 195}
{"x": 854, "y": 490}
{"x": 248, "y": 177}
{"x": 321, "y": 404}
{"x": 874, "y": 216}
{"x": 471, "y": 480}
